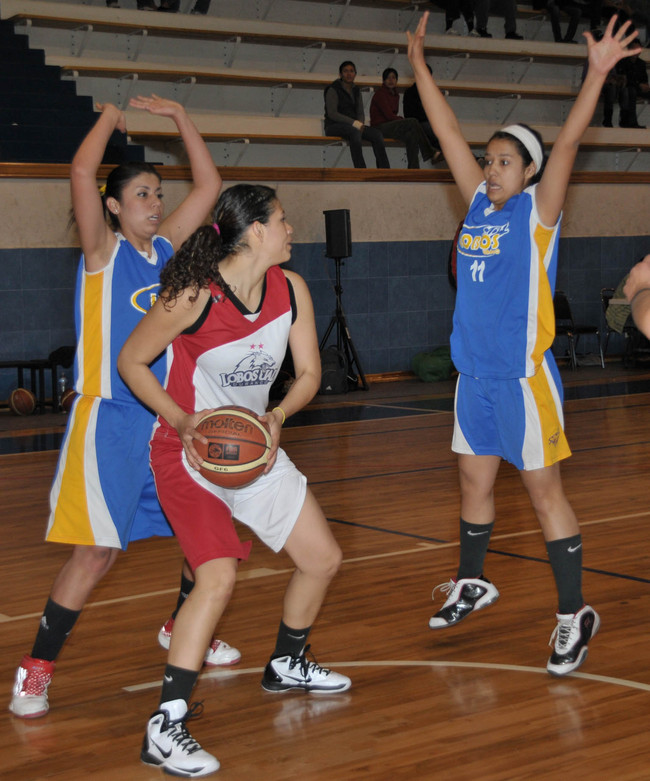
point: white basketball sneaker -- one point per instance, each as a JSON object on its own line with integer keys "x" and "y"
{"x": 219, "y": 654}
{"x": 295, "y": 672}
{"x": 466, "y": 596}
{"x": 569, "y": 640}
{"x": 29, "y": 700}
{"x": 168, "y": 745}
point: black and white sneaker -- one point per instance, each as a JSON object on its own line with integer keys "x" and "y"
{"x": 465, "y": 596}
{"x": 295, "y": 672}
{"x": 168, "y": 745}
{"x": 571, "y": 635}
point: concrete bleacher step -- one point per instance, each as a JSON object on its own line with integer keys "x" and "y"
{"x": 183, "y": 26}
{"x": 250, "y": 78}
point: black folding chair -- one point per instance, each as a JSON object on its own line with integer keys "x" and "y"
{"x": 566, "y": 326}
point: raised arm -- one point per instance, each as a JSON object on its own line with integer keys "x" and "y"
{"x": 191, "y": 213}
{"x": 462, "y": 163}
{"x": 603, "y": 56}
{"x": 96, "y": 238}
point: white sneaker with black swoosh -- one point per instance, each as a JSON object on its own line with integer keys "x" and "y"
{"x": 569, "y": 640}
{"x": 465, "y": 596}
{"x": 168, "y": 745}
{"x": 295, "y": 672}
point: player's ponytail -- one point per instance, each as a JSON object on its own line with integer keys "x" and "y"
{"x": 196, "y": 263}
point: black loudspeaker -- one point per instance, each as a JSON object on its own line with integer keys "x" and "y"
{"x": 337, "y": 233}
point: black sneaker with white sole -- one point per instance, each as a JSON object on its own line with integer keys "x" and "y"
{"x": 295, "y": 672}
{"x": 168, "y": 745}
{"x": 569, "y": 640}
{"x": 465, "y": 596}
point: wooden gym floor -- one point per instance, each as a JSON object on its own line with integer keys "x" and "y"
{"x": 470, "y": 702}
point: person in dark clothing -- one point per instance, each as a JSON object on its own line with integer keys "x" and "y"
{"x": 344, "y": 117}
{"x": 413, "y": 108}
{"x": 635, "y": 74}
{"x": 384, "y": 116}
{"x": 141, "y": 5}
{"x": 572, "y": 10}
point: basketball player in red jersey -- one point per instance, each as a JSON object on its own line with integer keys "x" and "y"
{"x": 228, "y": 317}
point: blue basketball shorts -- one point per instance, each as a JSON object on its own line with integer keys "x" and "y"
{"x": 520, "y": 420}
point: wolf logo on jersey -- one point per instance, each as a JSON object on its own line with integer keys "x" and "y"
{"x": 257, "y": 368}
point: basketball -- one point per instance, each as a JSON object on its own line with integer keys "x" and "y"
{"x": 238, "y": 446}
{"x": 68, "y": 397}
{"x": 22, "y": 402}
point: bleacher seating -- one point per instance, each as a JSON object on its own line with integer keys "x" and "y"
{"x": 254, "y": 86}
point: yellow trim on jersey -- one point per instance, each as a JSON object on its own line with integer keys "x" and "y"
{"x": 70, "y": 521}
{"x": 553, "y": 439}
{"x": 544, "y": 305}
{"x": 92, "y": 334}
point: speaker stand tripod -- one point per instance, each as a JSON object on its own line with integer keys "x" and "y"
{"x": 343, "y": 339}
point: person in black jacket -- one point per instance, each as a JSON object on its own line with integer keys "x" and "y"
{"x": 412, "y": 106}
{"x": 344, "y": 117}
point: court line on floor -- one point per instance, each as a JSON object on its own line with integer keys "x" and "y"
{"x": 424, "y": 543}
{"x": 233, "y": 673}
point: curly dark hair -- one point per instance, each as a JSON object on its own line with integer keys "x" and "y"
{"x": 196, "y": 263}
{"x": 524, "y": 153}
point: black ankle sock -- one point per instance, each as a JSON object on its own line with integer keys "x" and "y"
{"x": 56, "y": 624}
{"x": 565, "y": 557}
{"x": 290, "y": 642}
{"x": 186, "y": 587}
{"x": 474, "y": 541}
{"x": 177, "y": 683}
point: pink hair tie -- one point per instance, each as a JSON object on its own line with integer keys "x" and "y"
{"x": 216, "y": 227}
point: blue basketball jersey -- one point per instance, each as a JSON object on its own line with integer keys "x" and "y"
{"x": 110, "y": 303}
{"x": 506, "y": 265}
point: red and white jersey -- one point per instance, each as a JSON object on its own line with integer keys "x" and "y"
{"x": 231, "y": 356}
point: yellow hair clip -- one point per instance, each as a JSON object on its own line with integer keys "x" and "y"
{"x": 102, "y": 190}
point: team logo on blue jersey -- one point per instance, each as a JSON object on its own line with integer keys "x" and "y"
{"x": 481, "y": 240}
{"x": 144, "y": 299}
{"x": 257, "y": 368}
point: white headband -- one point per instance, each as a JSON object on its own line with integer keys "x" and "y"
{"x": 529, "y": 140}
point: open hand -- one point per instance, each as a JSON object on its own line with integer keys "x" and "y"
{"x": 416, "y": 40}
{"x": 157, "y": 105}
{"x": 604, "y": 54}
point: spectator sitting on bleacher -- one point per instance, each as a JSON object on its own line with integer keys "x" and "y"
{"x": 508, "y": 8}
{"x": 635, "y": 74}
{"x": 142, "y": 5}
{"x": 344, "y": 117}
{"x": 384, "y": 116}
{"x": 170, "y": 6}
{"x": 613, "y": 91}
{"x": 453, "y": 10}
{"x": 573, "y": 10}
{"x": 413, "y": 108}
